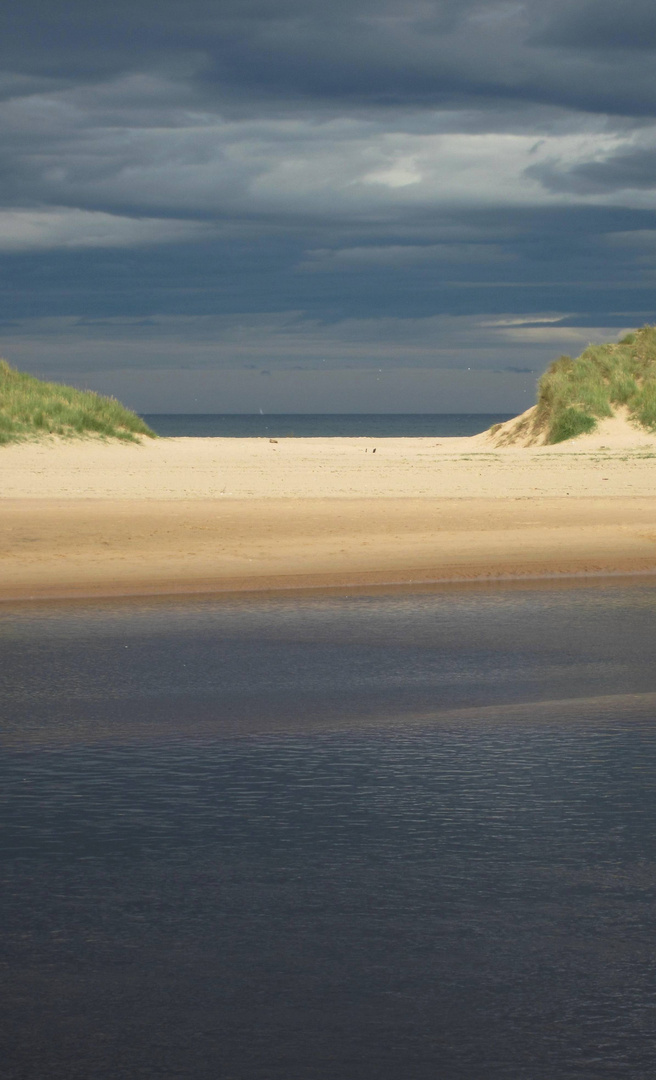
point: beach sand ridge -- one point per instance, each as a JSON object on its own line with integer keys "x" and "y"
{"x": 87, "y": 518}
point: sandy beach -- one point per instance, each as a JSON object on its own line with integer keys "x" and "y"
{"x": 195, "y": 515}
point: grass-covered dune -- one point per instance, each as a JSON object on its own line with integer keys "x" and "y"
{"x": 31, "y": 408}
{"x": 574, "y": 394}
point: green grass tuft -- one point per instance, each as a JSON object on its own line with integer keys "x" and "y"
{"x": 570, "y": 423}
{"x": 31, "y": 408}
{"x": 574, "y": 394}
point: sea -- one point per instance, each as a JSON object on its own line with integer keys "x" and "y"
{"x": 406, "y": 835}
{"x": 322, "y": 425}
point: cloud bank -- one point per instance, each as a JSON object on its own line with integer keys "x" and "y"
{"x": 426, "y": 186}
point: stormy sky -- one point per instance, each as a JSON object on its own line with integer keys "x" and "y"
{"x": 290, "y": 205}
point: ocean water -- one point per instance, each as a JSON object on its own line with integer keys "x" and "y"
{"x": 334, "y": 837}
{"x": 390, "y": 425}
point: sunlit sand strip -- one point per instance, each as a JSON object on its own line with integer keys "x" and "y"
{"x": 74, "y": 548}
{"x": 609, "y": 463}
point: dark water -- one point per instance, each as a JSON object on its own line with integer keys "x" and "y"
{"x": 348, "y": 838}
{"x": 338, "y": 425}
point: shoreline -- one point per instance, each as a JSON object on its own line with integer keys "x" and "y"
{"x": 340, "y": 588}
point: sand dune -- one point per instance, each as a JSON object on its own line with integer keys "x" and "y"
{"x": 617, "y": 432}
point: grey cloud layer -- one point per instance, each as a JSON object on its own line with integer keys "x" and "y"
{"x": 370, "y": 51}
{"x": 358, "y": 160}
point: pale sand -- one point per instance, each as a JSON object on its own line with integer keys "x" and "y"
{"x": 184, "y": 515}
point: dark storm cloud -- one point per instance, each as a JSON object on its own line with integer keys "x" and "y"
{"x": 334, "y": 177}
{"x": 599, "y": 24}
{"x": 618, "y": 172}
{"x": 598, "y": 262}
{"x": 370, "y": 52}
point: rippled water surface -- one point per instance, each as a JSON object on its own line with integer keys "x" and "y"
{"x": 348, "y": 838}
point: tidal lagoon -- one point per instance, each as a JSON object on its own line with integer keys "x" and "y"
{"x": 331, "y": 836}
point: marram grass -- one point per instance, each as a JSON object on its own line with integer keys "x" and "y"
{"x": 31, "y": 408}
{"x": 574, "y": 394}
